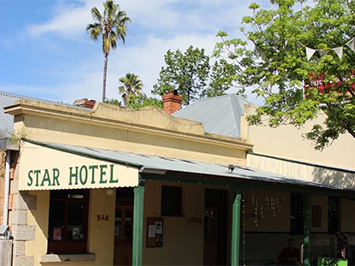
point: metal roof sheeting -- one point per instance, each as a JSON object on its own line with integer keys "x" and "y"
{"x": 6, "y": 120}
{"x": 152, "y": 163}
{"x": 219, "y": 115}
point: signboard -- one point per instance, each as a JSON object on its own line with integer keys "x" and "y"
{"x": 44, "y": 168}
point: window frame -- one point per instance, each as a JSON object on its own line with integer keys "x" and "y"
{"x": 70, "y": 246}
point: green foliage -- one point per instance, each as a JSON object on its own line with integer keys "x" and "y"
{"x": 131, "y": 85}
{"x": 111, "y": 25}
{"x": 139, "y": 101}
{"x": 114, "y": 102}
{"x": 191, "y": 74}
{"x": 185, "y": 72}
{"x": 278, "y": 68}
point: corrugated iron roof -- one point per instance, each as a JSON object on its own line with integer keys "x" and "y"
{"x": 6, "y": 120}
{"x": 151, "y": 163}
{"x": 219, "y": 115}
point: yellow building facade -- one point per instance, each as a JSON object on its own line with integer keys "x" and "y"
{"x": 112, "y": 186}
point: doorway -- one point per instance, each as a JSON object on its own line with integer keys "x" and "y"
{"x": 215, "y": 227}
{"x": 123, "y": 227}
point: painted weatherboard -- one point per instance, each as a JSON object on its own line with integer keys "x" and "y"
{"x": 43, "y": 168}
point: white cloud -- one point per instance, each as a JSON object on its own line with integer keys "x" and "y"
{"x": 144, "y": 60}
{"x": 163, "y": 25}
{"x": 155, "y": 15}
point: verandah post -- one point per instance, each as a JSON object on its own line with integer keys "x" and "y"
{"x": 235, "y": 228}
{"x": 138, "y": 208}
{"x": 307, "y": 229}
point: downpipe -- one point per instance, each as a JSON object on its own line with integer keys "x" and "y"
{"x": 7, "y": 189}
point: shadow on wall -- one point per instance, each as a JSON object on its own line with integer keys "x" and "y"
{"x": 336, "y": 178}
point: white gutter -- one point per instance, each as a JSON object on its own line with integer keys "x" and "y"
{"x": 7, "y": 188}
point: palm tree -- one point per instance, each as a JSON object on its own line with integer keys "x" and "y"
{"x": 131, "y": 86}
{"x": 112, "y": 26}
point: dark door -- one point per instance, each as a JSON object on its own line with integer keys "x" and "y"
{"x": 215, "y": 227}
{"x": 123, "y": 227}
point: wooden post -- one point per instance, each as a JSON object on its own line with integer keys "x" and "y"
{"x": 235, "y": 228}
{"x": 138, "y": 208}
{"x": 307, "y": 229}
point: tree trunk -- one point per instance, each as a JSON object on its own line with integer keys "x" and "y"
{"x": 104, "y": 79}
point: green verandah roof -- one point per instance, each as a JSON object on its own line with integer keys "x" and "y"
{"x": 172, "y": 169}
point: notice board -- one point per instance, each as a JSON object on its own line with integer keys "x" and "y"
{"x": 155, "y": 232}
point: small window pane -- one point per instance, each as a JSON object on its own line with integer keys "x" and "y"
{"x": 296, "y": 215}
{"x": 56, "y": 220}
{"x": 76, "y": 216}
{"x": 171, "y": 201}
{"x": 128, "y": 223}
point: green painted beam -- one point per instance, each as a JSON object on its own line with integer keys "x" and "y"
{"x": 235, "y": 229}
{"x": 138, "y": 208}
{"x": 307, "y": 229}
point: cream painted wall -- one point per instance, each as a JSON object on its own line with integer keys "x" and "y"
{"x": 101, "y": 232}
{"x": 267, "y": 211}
{"x": 39, "y": 219}
{"x": 322, "y": 201}
{"x": 290, "y": 142}
{"x": 217, "y": 150}
{"x": 301, "y": 171}
{"x": 182, "y": 242}
{"x": 347, "y": 216}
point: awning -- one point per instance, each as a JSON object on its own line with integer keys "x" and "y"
{"x": 44, "y": 168}
{"x": 76, "y": 163}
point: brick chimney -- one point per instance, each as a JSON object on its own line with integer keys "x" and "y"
{"x": 85, "y": 103}
{"x": 171, "y": 102}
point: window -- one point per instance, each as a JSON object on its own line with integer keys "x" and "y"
{"x": 171, "y": 201}
{"x": 68, "y": 221}
{"x": 333, "y": 215}
{"x": 296, "y": 214}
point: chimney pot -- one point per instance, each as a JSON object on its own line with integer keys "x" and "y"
{"x": 85, "y": 103}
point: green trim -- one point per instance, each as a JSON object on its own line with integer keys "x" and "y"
{"x": 190, "y": 178}
{"x": 138, "y": 212}
{"x": 83, "y": 154}
{"x": 235, "y": 229}
{"x": 307, "y": 229}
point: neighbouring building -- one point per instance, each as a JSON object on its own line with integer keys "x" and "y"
{"x": 100, "y": 185}
{"x": 285, "y": 150}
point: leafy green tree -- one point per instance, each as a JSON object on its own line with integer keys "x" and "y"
{"x": 279, "y": 65}
{"x": 114, "y": 102}
{"x": 185, "y": 72}
{"x": 138, "y": 101}
{"x": 130, "y": 85}
{"x": 142, "y": 100}
{"x": 223, "y": 76}
{"x": 112, "y": 26}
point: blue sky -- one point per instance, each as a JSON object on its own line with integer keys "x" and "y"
{"x": 45, "y": 51}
